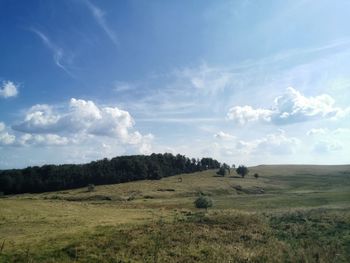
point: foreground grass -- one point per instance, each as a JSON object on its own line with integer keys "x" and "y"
{"x": 229, "y": 236}
{"x": 289, "y": 214}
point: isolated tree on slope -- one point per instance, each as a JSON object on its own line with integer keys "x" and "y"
{"x": 242, "y": 170}
{"x": 223, "y": 169}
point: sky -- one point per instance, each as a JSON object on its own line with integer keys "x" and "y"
{"x": 243, "y": 81}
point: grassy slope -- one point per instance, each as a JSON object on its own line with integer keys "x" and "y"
{"x": 122, "y": 221}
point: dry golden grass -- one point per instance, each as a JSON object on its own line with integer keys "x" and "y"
{"x": 40, "y": 225}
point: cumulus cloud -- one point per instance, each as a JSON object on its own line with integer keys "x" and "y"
{"x": 43, "y": 140}
{"x": 291, "y": 107}
{"x": 244, "y": 114}
{"x": 224, "y": 136}
{"x": 39, "y": 119}
{"x": 294, "y": 107}
{"x": 5, "y": 137}
{"x": 82, "y": 118}
{"x": 8, "y": 89}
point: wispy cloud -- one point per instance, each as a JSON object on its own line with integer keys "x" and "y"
{"x": 58, "y": 53}
{"x": 205, "y": 78}
{"x": 99, "y": 16}
{"x": 224, "y": 136}
{"x": 203, "y": 87}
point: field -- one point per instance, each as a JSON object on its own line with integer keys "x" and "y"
{"x": 288, "y": 214}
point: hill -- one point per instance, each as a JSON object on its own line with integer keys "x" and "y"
{"x": 287, "y": 214}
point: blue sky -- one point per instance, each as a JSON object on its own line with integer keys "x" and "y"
{"x": 246, "y": 82}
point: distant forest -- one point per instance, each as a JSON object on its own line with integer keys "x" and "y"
{"x": 121, "y": 169}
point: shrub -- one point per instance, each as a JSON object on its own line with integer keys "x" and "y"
{"x": 256, "y": 175}
{"x": 203, "y": 202}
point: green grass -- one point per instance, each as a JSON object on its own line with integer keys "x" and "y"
{"x": 298, "y": 214}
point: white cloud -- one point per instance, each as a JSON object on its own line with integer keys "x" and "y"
{"x": 8, "y": 89}
{"x": 43, "y": 140}
{"x": 146, "y": 146}
{"x": 78, "y": 120}
{"x": 9, "y": 139}
{"x": 291, "y": 107}
{"x": 244, "y": 114}
{"x": 39, "y": 119}
{"x": 5, "y": 137}
{"x": 224, "y": 136}
{"x": 294, "y": 107}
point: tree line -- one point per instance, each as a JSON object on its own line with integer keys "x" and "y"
{"x": 121, "y": 169}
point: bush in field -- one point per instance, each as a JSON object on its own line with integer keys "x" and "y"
{"x": 256, "y": 175}
{"x": 203, "y": 202}
{"x": 242, "y": 170}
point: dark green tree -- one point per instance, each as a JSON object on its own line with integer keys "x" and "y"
{"x": 224, "y": 169}
{"x": 242, "y": 170}
{"x": 107, "y": 171}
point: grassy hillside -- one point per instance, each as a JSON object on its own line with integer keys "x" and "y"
{"x": 289, "y": 214}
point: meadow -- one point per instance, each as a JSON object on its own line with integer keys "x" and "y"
{"x": 290, "y": 213}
